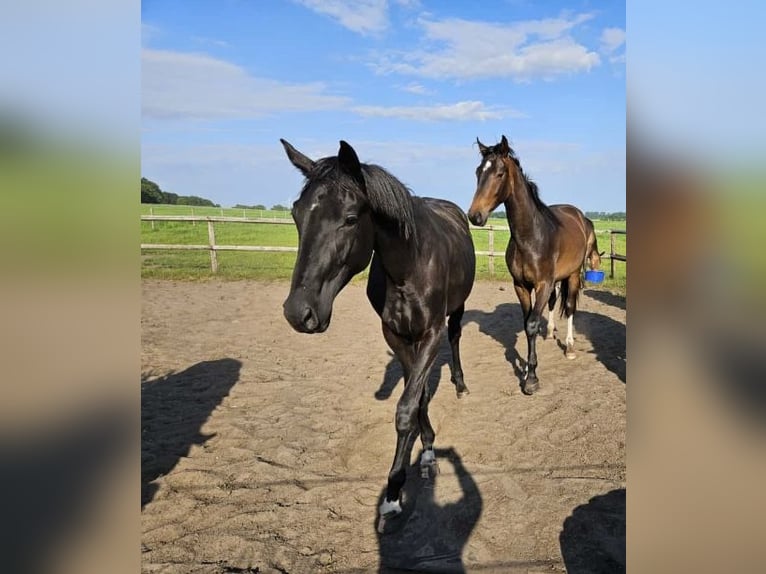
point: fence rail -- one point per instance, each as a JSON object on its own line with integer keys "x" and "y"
{"x": 213, "y": 247}
{"x": 613, "y": 255}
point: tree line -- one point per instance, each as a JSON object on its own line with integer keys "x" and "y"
{"x": 151, "y": 193}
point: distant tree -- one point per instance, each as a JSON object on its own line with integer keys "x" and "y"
{"x": 259, "y": 206}
{"x": 150, "y": 192}
{"x": 241, "y": 206}
{"x": 170, "y": 198}
{"x": 498, "y": 215}
{"x": 279, "y": 207}
{"x": 195, "y": 200}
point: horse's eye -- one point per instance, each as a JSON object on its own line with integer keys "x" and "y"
{"x": 351, "y": 219}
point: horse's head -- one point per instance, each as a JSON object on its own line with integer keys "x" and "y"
{"x": 494, "y": 180}
{"x": 594, "y": 259}
{"x": 335, "y": 235}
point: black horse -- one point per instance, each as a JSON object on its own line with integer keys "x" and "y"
{"x": 422, "y": 271}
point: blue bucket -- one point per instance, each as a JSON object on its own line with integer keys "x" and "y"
{"x": 594, "y": 276}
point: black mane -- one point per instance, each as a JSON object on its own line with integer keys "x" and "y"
{"x": 387, "y": 195}
{"x": 531, "y": 185}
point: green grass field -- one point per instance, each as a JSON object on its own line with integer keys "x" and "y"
{"x": 243, "y": 265}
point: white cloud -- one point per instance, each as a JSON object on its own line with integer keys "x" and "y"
{"x": 522, "y": 50}
{"x": 361, "y": 16}
{"x": 611, "y": 39}
{"x": 415, "y": 88}
{"x": 459, "y": 111}
{"x": 196, "y": 86}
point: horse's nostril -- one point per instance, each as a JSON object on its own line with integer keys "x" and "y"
{"x": 309, "y": 319}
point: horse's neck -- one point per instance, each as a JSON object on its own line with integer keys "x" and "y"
{"x": 397, "y": 254}
{"x": 525, "y": 220}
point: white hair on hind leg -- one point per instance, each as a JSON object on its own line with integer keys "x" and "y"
{"x": 428, "y": 457}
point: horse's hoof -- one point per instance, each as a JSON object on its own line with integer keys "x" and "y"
{"x": 462, "y": 392}
{"x": 389, "y": 508}
{"x": 570, "y": 352}
{"x": 530, "y": 386}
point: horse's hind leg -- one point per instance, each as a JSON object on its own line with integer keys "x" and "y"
{"x": 551, "y": 304}
{"x": 454, "y": 330}
{"x": 570, "y": 306}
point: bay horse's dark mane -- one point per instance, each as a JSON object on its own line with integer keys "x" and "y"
{"x": 387, "y": 195}
{"x": 531, "y": 185}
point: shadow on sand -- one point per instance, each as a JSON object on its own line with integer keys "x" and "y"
{"x": 428, "y": 536}
{"x": 505, "y": 325}
{"x": 606, "y": 297}
{"x": 593, "y": 536}
{"x": 173, "y": 409}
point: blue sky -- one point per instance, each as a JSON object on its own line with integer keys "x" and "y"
{"x": 410, "y": 84}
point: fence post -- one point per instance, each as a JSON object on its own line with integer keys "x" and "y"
{"x": 194, "y": 223}
{"x": 611, "y": 256}
{"x": 211, "y": 239}
{"x": 491, "y": 262}
{"x": 151, "y": 212}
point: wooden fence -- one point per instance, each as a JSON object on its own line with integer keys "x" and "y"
{"x": 213, "y": 247}
{"x": 613, "y": 255}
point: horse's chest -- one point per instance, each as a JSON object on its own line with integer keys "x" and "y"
{"x": 403, "y": 313}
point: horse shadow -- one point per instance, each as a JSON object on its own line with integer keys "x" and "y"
{"x": 428, "y": 536}
{"x": 593, "y": 537}
{"x": 504, "y": 325}
{"x": 52, "y": 480}
{"x": 607, "y": 337}
{"x": 606, "y": 297}
{"x": 173, "y": 409}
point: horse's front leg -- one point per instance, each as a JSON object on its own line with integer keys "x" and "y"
{"x": 532, "y": 327}
{"x": 407, "y": 416}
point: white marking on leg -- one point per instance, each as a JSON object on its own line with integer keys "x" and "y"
{"x": 389, "y": 507}
{"x": 551, "y": 324}
{"x": 570, "y": 331}
{"x": 428, "y": 457}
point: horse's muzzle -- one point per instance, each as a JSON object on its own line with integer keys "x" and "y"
{"x": 478, "y": 218}
{"x": 303, "y": 317}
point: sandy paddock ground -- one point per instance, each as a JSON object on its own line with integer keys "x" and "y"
{"x": 264, "y": 450}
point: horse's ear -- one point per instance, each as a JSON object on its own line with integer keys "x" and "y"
{"x": 482, "y": 148}
{"x": 299, "y": 160}
{"x": 349, "y": 162}
{"x": 504, "y": 147}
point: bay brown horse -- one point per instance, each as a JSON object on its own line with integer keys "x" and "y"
{"x": 549, "y": 245}
{"x": 422, "y": 271}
